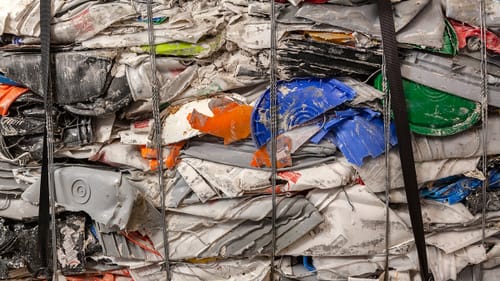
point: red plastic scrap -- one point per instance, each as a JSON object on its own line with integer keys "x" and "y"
{"x": 8, "y": 95}
{"x": 121, "y": 275}
{"x": 466, "y": 33}
{"x": 142, "y": 241}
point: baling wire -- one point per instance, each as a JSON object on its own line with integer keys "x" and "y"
{"x": 484, "y": 117}
{"x": 157, "y": 137}
{"x": 274, "y": 132}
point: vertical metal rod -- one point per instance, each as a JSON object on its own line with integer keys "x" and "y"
{"x": 274, "y": 130}
{"x": 484, "y": 117}
{"x": 157, "y": 136}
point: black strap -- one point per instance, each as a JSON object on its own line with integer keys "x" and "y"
{"x": 398, "y": 103}
{"x": 44, "y": 205}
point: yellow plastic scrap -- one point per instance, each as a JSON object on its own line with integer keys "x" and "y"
{"x": 202, "y": 260}
{"x": 332, "y": 37}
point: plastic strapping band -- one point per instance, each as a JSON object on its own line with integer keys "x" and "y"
{"x": 398, "y": 103}
{"x": 47, "y": 200}
{"x": 157, "y": 136}
{"x": 274, "y": 132}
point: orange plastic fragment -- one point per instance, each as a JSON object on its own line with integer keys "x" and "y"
{"x": 148, "y": 153}
{"x": 8, "y": 95}
{"x": 173, "y": 156}
{"x": 172, "y": 159}
{"x": 231, "y": 120}
{"x": 261, "y": 158}
{"x": 153, "y": 164}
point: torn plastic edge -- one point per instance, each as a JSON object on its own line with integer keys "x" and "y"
{"x": 8, "y": 95}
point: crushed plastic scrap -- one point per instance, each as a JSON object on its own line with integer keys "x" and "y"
{"x": 357, "y": 133}
{"x": 212, "y": 67}
{"x": 300, "y": 101}
{"x": 102, "y": 193}
{"x": 436, "y": 113}
{"x": 454, "y": 189}
{"x": 231, "y": 120}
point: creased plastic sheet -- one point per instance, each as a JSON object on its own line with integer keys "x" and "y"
{"x": 371, "y": 172}
{"x": 197, "y": 234}
{"x": 363, "y": 18}
{"x": 213, "y": 67}
{"x": 234, "y": 270}
{"x": 350, "y": 214}
{"x": 104, "y": 194}
{"x": 445, "y": 266}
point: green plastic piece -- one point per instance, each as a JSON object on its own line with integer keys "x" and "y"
{"x": 183, "y": 49}
{"x": 450, "y": 41}
{"x": 435, "y": 113}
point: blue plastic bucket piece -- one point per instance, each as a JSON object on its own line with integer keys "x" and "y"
{"x": 299, "y": 101}
{"x": 357, "y": 133}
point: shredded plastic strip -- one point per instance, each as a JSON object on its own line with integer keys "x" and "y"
{"x": 157, "y": 136}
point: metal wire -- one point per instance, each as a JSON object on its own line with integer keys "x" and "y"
{"x": 157, "y": 136}
{"x": 387, "y": 137}
{"x": 484, "y": 116}
{"x": 274, "y": 131}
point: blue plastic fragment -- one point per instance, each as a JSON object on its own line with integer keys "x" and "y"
{"x": 494, "y": 178}
{"x": 299, "y": 101}
{"x": 455, "y": 188}
{"x": 357, "y": 133}
{"x": 93, "y": 231}
{"x": 451, "y": 189}
{"x": 156, "y": 20}
{"x": 5, "y": 80}
{"x": 307, "y": 262}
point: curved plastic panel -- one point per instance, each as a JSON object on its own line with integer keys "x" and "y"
{"x": 299, "y": 101}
